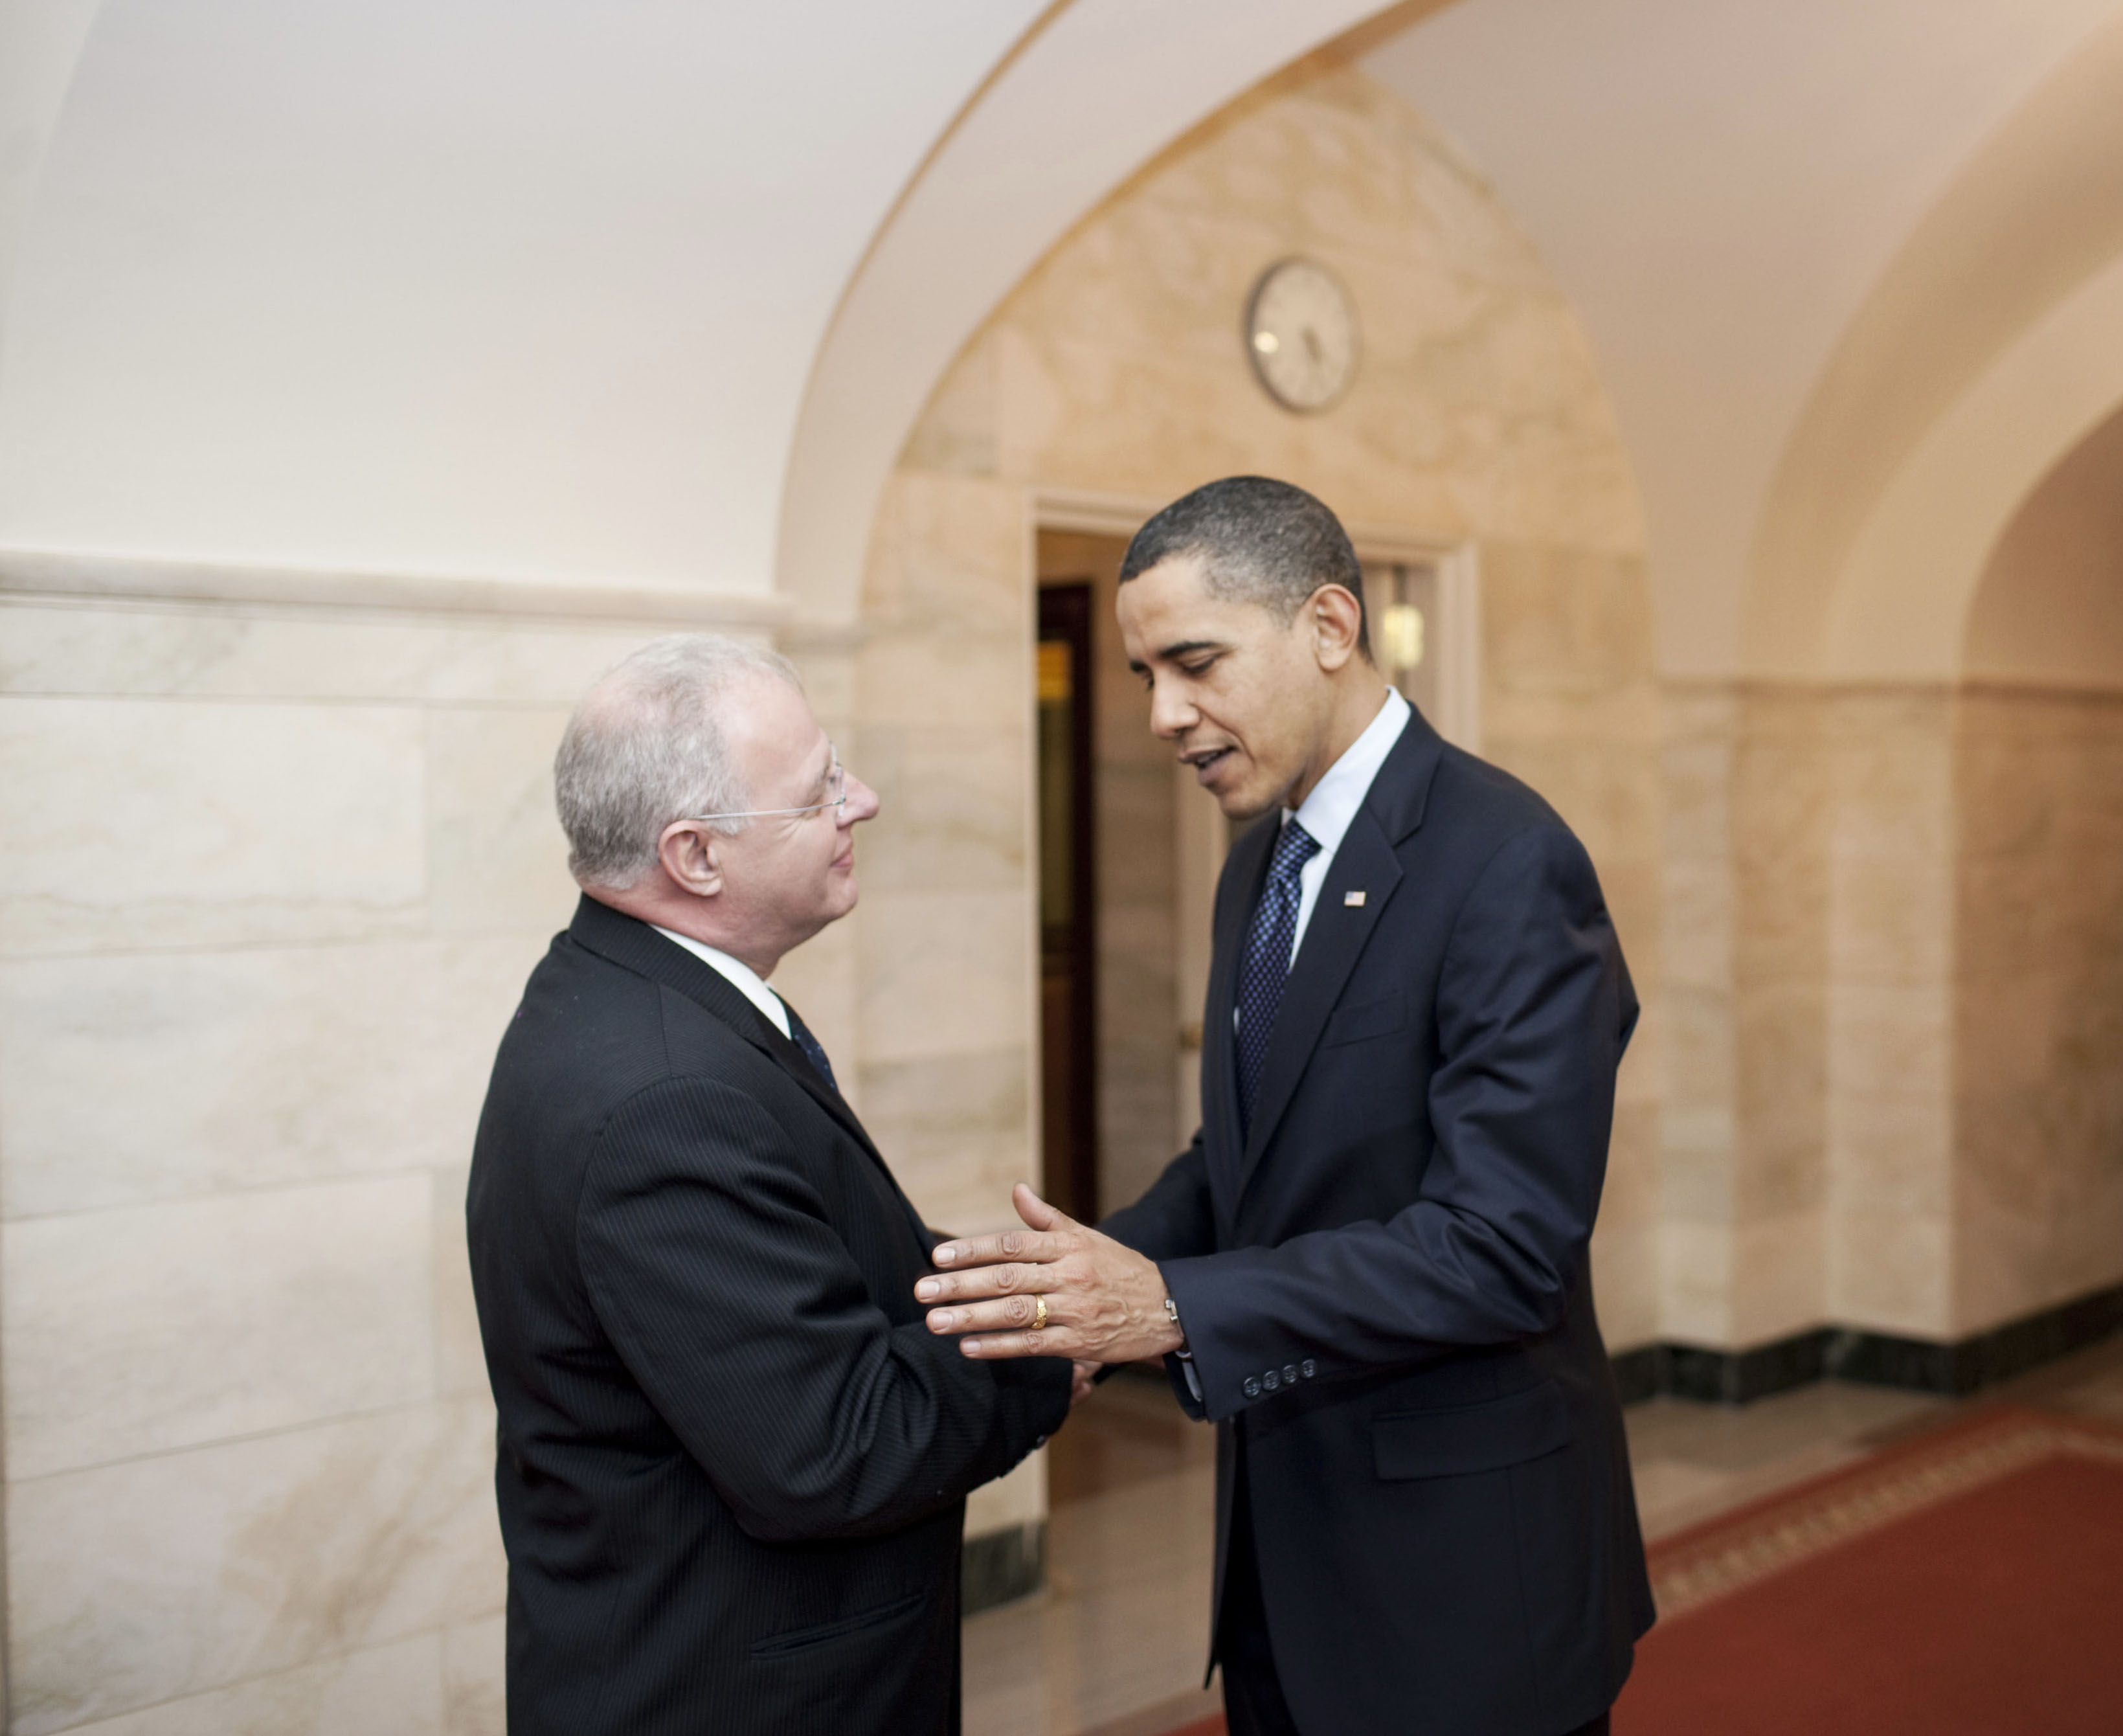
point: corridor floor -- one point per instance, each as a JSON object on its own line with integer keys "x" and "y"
{"x": 1114, "y": 1645}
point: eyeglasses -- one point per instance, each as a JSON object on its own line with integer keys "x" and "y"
{"x": 837, "y": 781}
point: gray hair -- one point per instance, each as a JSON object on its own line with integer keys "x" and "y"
{"x": 1261, "y": 542}
{"x": 648, "y": 746}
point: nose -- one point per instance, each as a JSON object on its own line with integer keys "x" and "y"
{"x": 862, "y": 802}
{"x": 1172, "y": 713}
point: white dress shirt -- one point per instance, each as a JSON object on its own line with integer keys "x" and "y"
{"x": 1335, "y": 799}
{"x": 741, "y": 976}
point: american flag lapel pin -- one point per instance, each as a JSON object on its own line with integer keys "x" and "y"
{"x": 1354, "y": 900}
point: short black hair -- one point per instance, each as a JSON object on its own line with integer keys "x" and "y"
{"x": 1260, "y": 541}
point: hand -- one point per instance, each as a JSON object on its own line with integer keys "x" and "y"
{"x": 1081, "y": 1376}
{"x": 1104, "y": 1303}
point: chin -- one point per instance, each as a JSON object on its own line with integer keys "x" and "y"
{"x": 1244, "y": 804}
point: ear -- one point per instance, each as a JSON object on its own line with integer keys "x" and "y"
{"x": 692, "y": 856}
{"x": 1334, "y": 619}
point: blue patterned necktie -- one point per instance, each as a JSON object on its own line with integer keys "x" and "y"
{"x": 814, "y": 1051}
{"x": 1267, "y": 963}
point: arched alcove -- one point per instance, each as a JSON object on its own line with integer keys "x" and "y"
{"x": 1115, "y": 371}
{"x": 2038, "y": 1026}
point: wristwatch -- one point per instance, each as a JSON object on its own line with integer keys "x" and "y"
{"x": 1172, "y": 1314}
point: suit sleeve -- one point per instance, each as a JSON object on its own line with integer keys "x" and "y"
{"x": 714, "y": 1268}
{"x": 1533, "y": 1010}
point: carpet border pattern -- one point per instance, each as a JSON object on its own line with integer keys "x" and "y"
{"x": 1726, "y": 1555}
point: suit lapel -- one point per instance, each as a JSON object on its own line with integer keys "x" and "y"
{"x": 1366, "y": 862}
{"x": 1333, "y": 940}
{"x": 639, "y": 948}
{"x": 1220, "y": 1087}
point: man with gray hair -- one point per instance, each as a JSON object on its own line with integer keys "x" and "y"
{"x": 732, "y": 1460}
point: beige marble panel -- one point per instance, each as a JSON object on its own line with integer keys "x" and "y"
{"x": 144, "y": 1328}
{"x": 1696, "y": 1260}
{"x": 949, "y": 552}
{"x": 957, "y": 1131}
{"x": 1570, "y": 624}
{"x": 474, "y": 1678}
{"x": 952, "y": 809}
{"x": 1890, "y": 1271}
{"x": 1893, "y": 917}
{"x": 1780, "y": 1032}
{"x": 1626, "y": 1281}
{"x": 1695, "y": 932}
{"x": 384, "y": 1691}
{"x": 216, "y": 651}
{"x": 1778, "y": 1277}
{"x": 156, "y": 1076}
{"x": 159, "y": 823}
{"x": 497, "y": 858}
{"x": 944, "y": 972}
{"x": 943, "y": 678}
{"x": 2038, "y": 1029}
{"x": 139, "y": 1583}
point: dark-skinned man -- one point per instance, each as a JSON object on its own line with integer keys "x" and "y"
{"x": 1370, "y": 1269}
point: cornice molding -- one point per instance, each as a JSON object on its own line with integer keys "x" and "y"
{"x": 73, "y": 576}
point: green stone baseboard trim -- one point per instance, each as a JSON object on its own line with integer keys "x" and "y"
{"x": 1951, "y": 1369}
{"x": 1000, "y": 1566}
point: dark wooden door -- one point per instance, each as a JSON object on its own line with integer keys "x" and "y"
{"x": 1068, "y": 905}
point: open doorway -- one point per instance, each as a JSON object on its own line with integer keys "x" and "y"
{"x": 1110, "y": 1026}
{"x": 1068, "y": 904}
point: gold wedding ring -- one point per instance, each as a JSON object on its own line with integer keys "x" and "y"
{"x": 1039, "y": 1318}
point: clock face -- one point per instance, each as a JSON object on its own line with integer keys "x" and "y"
{"x": 1302, "y": 334}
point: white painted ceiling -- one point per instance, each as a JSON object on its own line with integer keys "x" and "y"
{"x": 1716, "y": 183}
{"x": 651, "y": 291}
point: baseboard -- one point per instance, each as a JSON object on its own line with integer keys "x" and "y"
{"x": 1951, "y": 1369}
{"x": 1000, "y": 1566}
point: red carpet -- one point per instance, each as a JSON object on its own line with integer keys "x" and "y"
{"x": 1969, "y": 1582}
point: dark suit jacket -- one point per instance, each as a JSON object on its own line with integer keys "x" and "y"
{"x": 1384, "y": 1286}
{"x": 733, "y": 1459}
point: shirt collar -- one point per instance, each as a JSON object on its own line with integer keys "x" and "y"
{"x": 740, "y": 975}
{"x": 1332, "y": 804}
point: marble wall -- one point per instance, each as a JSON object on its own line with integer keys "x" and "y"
{"x": 274, "y": 870}
{"x": 1115, "y": 375}
{"x": 2038, "y": 1029}
{"x": 274, "y": 876}
{"x": 1807, "y": 857}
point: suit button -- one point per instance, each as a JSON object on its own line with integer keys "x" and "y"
{"x": 1306, "y": 1369}
{"x": 1290, "y": 1375}
{"x": 1271, "y": 1380}
{"x": 1253, "y": 1387}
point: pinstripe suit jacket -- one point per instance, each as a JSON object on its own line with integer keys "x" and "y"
{"x": 732, "y": 1460}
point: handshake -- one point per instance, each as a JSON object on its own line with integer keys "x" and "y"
{"x": 1056, "y": 1288}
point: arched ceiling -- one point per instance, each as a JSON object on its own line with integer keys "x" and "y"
{"x": 1719, "y": 186}
{"x": 528, "y": 288}
{"x": 653, "y": 293}
{"x": 2049, "y": 607}
{"x": 534, "y": 288}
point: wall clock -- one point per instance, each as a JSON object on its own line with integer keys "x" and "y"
{"x": 1302, "y": 334}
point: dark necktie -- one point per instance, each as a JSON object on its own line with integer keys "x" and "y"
{"x": 814, "y": 1051}
{"x": 1266, "y": 965}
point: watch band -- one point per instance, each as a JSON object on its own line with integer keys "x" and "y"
{"x": 1172, "y": 1314}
